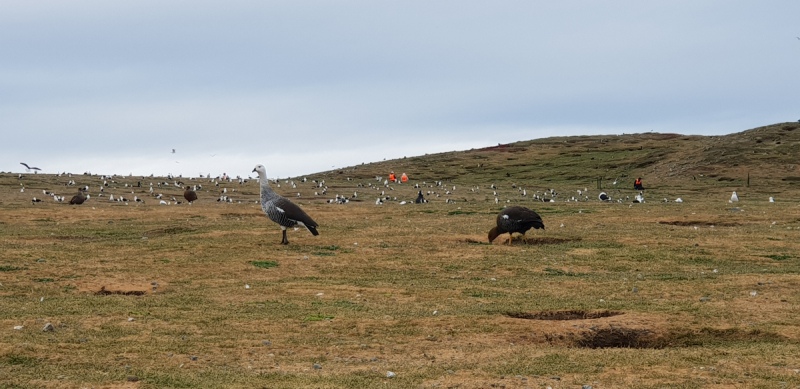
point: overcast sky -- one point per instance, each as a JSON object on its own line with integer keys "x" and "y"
{"x": 302, "y": 86}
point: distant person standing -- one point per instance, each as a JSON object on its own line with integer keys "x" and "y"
{"x": 638, "y": 184}
{"x": 392, "y": 177}
{"x": 404, "y": 178}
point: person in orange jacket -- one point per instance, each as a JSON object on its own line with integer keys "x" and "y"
{"x": 392, "y": 178}
{"x": 638, "y": 184}
{"x": 404, "y": 178}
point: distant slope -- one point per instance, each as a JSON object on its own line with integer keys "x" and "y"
{"x": 769, "y": 154}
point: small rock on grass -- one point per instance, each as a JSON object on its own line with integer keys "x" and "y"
{"x": 133, "y": 378}
{"x": 317, "y": 366}
{"x": 390, "y": 374}
{"x": 586, "y": 387}
{"x": 705, "y": 298}
{"x": 48, "y": 328}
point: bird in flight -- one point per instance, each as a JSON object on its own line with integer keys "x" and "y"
{"x": 28, "y": 168}
{"x": 173, "y": 151}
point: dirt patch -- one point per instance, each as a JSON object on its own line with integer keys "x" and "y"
{"x": 503, "y": 239}
{"x": 168, "y": 231}
{"x": 105, "y": 292}
{"x": 618, "y": 337}
{"x": 563, "y": 315}
{"x": 689, "y": 223}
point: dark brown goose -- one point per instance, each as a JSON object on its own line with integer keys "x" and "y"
{"x": 515, "y": 220}
{"x": 280, "y": 210}
{"x": 189, "y": 195}
{"x": 78, "y": 198}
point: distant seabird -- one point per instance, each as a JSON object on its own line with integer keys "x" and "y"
{"x": 604, "y": 197}
{"x": 515, "y": 220}
{"x": 771, "y": 200}
{"x": 734, "y": 197}
{"x": 280, "y": 210}
{"x": 29, "y": 168}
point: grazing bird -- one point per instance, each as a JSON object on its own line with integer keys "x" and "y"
{"x": 78, "y": 199}
{"x": 280, "y": 210}
{"x": 604, "y": 197}
{"x": 515, "y": 220}
{"x": 189, "y": 195}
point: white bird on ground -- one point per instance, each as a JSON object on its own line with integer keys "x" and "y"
{"x": 771, "y": 200}
{"x": 679, "y": 200}
{"x": 162, "y": 202}
{"x": 379, "y": 201}
{"x": 604, "y": 197}
{"x": 734, "y": 198}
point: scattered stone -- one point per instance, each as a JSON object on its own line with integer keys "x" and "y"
{"x": 374, "y": 359}
{"x": 41, "y": 260}
{"x": 450, "y": 372}
{"x": 586, "y": 387}
{"x": 83, "y": 340}
{"x": 170, "y": 355}
{"x": 131, "y": 319}
{"x": 705, "y": 298}
{"x": 133, "y": 378}
{"x": 48, "y": 328}
{"x": 266, "y": 343}
{"x": 17, "y": 327}
{"x": 753, "y": 293}
{"x": 194, "y": 358}
{"x": 390, "y": 374}
{"x": 635, "y": 290}
{"x": 247, "y": 286}
{"x": 317, "y": 366}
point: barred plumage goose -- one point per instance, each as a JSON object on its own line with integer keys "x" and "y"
{"x": 515, "y": 219}
{"x": 280, "y": 210}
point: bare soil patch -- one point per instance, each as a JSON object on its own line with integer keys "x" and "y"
{"x": 105, "y": 292}
{"x": 618, "y": 337}
{"x": 689, "y": 223}
{"x": 563, "y": 315}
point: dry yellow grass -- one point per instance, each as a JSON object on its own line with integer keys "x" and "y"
{"x": 359, "y": 299}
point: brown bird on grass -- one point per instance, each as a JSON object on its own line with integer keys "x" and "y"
{"x": 78, "y": 198}
{"x": 515, "y": 220}
{"x": 189, "y": 195}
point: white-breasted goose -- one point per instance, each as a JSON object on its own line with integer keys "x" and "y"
{"x": 515, "y": 220}
{"x": 280, "y": 210}
{"x": 189, "y": 195}
{"x": 79, "y": 198}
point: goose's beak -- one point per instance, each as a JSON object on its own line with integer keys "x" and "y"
{"x": 254, "y": 170}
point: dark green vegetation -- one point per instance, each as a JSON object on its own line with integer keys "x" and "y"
{"x": 626, "y": 295}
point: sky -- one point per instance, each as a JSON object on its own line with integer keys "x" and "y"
{"x": 306, "y": 86}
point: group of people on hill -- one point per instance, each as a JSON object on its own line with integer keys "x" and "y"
{"x": 393, "y": 178}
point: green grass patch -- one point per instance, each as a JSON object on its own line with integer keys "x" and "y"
{"x": 460, "y": 212}
{"x": 20, "y": 360}
{"x": 778, "y": 257}
{"x": 43, "y": 280}
{"x": 331, "y": 248}
{"x": 264, "y": 264}
{"x": 10, "y": 268}
{"x": 323, "y": 254}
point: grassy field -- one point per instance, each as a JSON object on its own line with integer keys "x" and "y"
{"x": 703, "y": 293}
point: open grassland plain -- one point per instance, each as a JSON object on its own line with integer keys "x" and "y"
{"x": 703, "y": 293}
